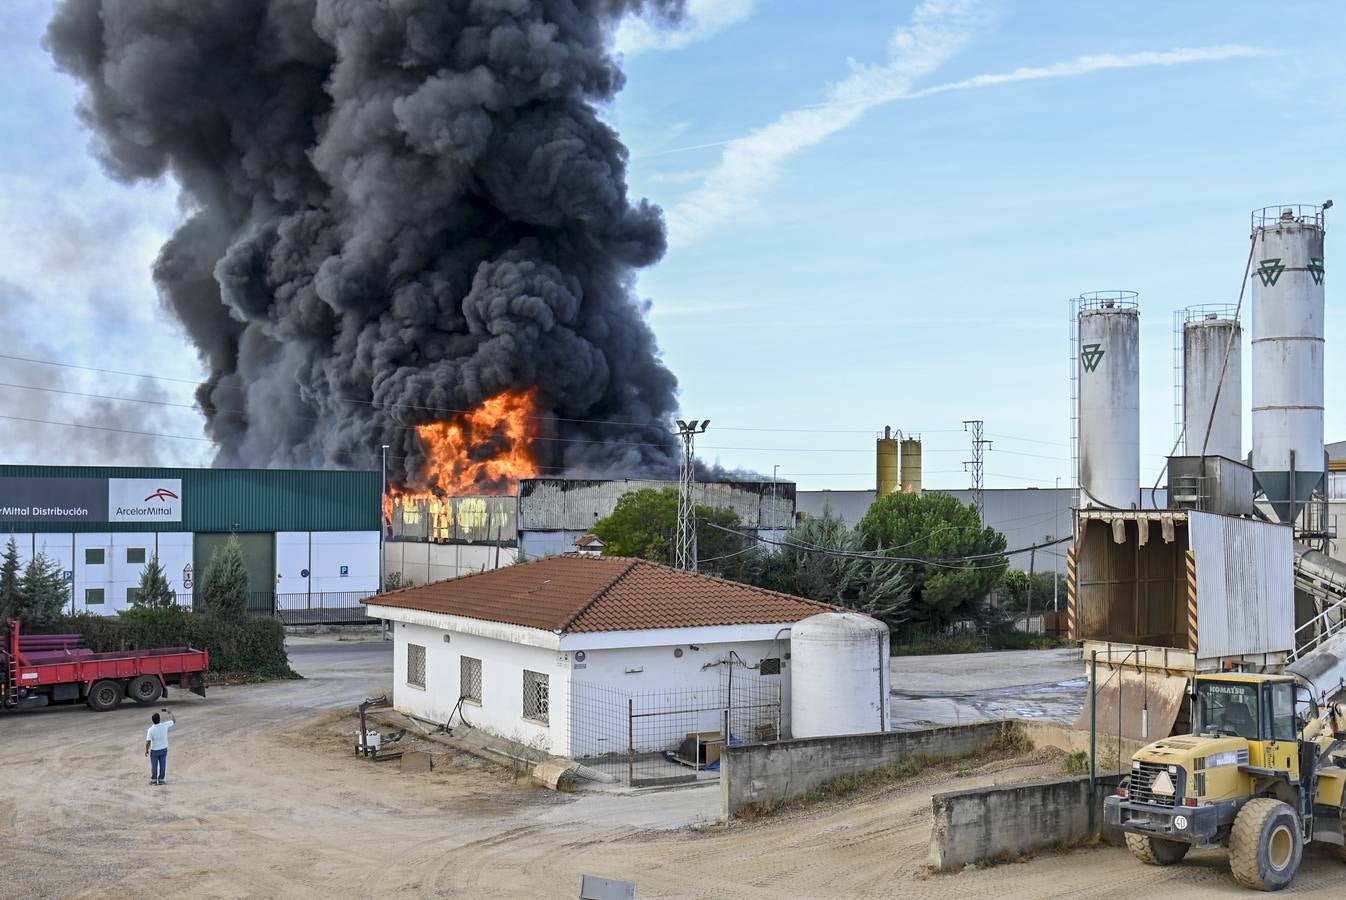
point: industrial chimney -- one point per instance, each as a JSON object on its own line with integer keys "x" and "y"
{"x": 1288, "y": 308}
{"x": 1108, "y": 373}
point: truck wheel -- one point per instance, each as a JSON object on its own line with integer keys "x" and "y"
{"x": 144, "y": 689}
{"x": 1155, "y": 851}
{"x": 1265, "y": 846}
{"x": 104, "y": 695}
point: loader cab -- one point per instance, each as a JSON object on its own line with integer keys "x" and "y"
{"x": 1256, "y": 708}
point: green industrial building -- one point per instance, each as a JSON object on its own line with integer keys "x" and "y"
{"x": 310, "y": 538}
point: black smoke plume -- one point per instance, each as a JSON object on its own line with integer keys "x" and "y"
{"x": 396, "y": 208}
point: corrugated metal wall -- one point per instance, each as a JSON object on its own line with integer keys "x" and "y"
{"x": 572, "y": 504}
{"x": 242, "y": 500}
{"x": 1245, "y": 585}
{"x": 456, "y": 520}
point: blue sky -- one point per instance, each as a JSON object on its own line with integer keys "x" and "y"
{"x": 877, "y": 213}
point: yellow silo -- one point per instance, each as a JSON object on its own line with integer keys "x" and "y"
{"x": 886, "y": 454}
{"x": 911, "y": 465}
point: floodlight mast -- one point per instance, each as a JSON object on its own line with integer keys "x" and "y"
{"x": 684, "y": 548}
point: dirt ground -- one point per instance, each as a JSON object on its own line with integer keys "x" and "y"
{"x": 264, "y": 800}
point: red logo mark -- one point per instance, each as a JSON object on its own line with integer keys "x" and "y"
{"x": 162, "y": 494}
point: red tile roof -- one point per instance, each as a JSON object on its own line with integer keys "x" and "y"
{"x": 583, "y": 593}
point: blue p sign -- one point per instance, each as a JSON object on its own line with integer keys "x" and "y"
{"x": 345, "y": 570}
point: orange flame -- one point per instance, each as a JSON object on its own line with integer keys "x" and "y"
{"x": 485, "y": 451}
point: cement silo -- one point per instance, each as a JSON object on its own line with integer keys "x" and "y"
{"x": 911, "y": 465}
{"x": 1208, "y": 333}
{"x": 886, "y": 463}
{"x": 1108, "y": 372}
{"x": 1288, "y": 306}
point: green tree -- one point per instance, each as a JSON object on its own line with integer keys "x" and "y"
{"x": 1015, "y": 590}
{"x": 43, "y": 592}
{"x": 644, "y": 522}
{"x": 10, "y": 596}
{"x": 940, "y": 534}
{"x": 822, "y": 559}
{"x": 224, "y": 584}
{"x": 154, "y": 592}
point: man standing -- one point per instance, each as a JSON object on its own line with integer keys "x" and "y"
{"x": 156, "y": 745}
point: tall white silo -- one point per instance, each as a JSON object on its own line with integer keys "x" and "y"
{"x": 1288, "y": 307}
{"x": 1109, "y": 399}
{"x": 1208, "y": 333}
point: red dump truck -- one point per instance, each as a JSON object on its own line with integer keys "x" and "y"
{"x": 44, "y": 669}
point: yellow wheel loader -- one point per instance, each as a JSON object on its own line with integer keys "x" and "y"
{"x": 1262, "y": 775}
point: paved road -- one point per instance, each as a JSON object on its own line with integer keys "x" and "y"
{"x": 1046, "y": 685}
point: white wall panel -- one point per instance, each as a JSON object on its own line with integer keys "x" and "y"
{"x": 96, "y": 575}
{"x": 175, "y": 554}
{"x": 358, "y": 551}
{"x": 126, "y": 575}
{"x": 292, "y": 561}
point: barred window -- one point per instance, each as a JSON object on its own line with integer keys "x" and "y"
{"x": 769, "y": 666}
{"x": 469, "y": 678}
{"x": 416, "y": 665}
{"x": 536, "y": 696}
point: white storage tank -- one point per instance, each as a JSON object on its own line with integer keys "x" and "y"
{"x": 1109, "y": 399}
{"x": 1288, "y": 307}
{"x": 1208, "y": 332}
{"x": 840, "y": 675}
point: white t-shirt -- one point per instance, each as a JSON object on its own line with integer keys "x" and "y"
{"x": 158, "y": 735}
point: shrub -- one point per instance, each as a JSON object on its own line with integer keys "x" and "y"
{"x": 252, "y": 648}
{"x": 224, "y": 585}
{"x": 154, "y": 591}
{"x": 1076, "y": 763}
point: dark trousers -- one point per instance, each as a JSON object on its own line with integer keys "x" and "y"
{"x": 158, "y": 764}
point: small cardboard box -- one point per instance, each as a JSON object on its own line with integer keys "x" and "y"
{"x": 703, "y": 747}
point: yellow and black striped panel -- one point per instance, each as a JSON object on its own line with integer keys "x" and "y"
{"x": 1191, "y": 601}
{"x": 1071, "y": 620}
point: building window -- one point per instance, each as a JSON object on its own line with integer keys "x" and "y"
{"x": 135, "y": 555}
{"x": 93, "y": 596}
{"x": 416, "y": 665}
{"x": 131, "y": 595}
{"x": 93, "y": 556}
{"x": 1336, "y": 485}
{"x": 469, "y": 678}
{"x": 769, "y": 666}
{"x": 536, "y": 696}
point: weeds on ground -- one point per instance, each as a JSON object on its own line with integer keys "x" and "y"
{"x": 938, "y": 644}
{"x": 1013, "y": 740}
{"x": 1076, "y": 763}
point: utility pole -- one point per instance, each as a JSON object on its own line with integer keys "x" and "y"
{"x": 684, "y": 548}
{"x": 383, "y": 527}
{"x": 1028, "y": 607}
{"x": 976, "y": 465}
{"x": 774, "y": 526}
{"x": 1056, "y": 554}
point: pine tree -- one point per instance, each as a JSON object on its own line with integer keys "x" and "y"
{"x": 9, "y": 581}
{"x": 43, "y": 592}
{"x": 154, "y": 592}
{"x": 224, "y": 585}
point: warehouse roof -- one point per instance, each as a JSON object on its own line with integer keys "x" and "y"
{"x": 583, "y": 593}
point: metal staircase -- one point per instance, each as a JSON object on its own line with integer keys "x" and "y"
{"x": 1324, "y": 579}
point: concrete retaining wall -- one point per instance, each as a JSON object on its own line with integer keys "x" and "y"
{"x": 767, "y": 775}
{"x": 1000, "y": 823}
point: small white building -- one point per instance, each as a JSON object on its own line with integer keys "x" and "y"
{"x": 555, "y": 653}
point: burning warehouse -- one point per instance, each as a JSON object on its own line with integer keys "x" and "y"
{"x": 408, "y": 227}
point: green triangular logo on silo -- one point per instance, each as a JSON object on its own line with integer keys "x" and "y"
{"x": 1315, "y": 268}
{"x": 1091, "y": 355}
{"x": 1269, "y": 270}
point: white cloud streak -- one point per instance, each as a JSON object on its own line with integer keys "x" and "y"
{"x": 938, "y": 29}
{"x": 703, "y": 19}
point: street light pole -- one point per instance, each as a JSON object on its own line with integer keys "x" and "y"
{"x": 1056, "y": 557}
{"x": 383, "y": 495}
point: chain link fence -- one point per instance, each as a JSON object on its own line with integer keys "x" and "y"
{"x": 652, "y": 738}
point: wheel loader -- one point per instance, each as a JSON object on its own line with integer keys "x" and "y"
{"x": 1262, "y": 774}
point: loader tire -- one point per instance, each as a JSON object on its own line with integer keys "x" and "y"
{"x": 1155, "y": 851}
{"x": 1265, "y": 846}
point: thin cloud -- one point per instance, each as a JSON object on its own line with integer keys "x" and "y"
{"x": 938, "y": 29}
{"x": 1086, "y": 65}
{"x": 702, "y": 19}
